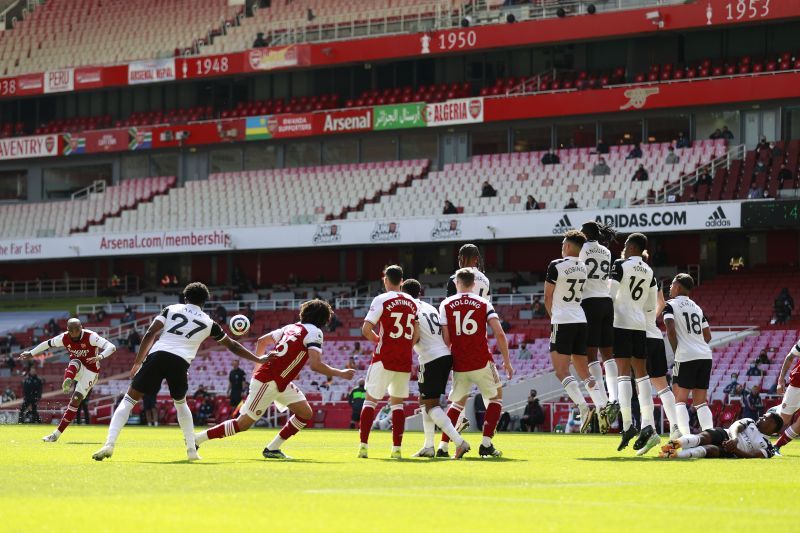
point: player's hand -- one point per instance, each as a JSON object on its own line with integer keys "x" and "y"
{"x": 262, "y": 359}
{"x": 780, "y": 388}
{"x": 95, "y": 360}
{"x": 350, "y": 373}
{"x": 24, "y": 356}
{"x": 509, "y": 369}
{"x": 135, "y": 369}
{"x": 730, "y": 445}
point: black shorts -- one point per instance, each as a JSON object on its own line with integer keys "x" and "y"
{"x": 600, "y": 321}
{"x": 433, "y": 377}
{"x": 568, "y": 339}
{"x": 656, "y": 358}
{"x": 692, "y": 374}
{"x": 630, "y": 343}
{"x": 160, "y": 366}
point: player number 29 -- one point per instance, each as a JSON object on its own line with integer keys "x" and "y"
{"x": 593, "y": 265}
{"x": 407, "y": 331}
{"x": 467, "y": 326}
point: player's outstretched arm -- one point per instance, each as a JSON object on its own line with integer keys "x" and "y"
{"x": 502, "y": 343}
{"x": 317, "y": 365}
{"x": 42, "y": 347}
{"x": 107, "y": 348}
{"x": 236, "y": 348}
{"x": 263, "y": 342}
{"x": 147, "y": 343}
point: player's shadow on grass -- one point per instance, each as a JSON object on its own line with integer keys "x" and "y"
{"x": 83, "y": 443}
{"x": 290, "y": 461}
{"x": 443, "y": 460}
{"x": 178, "y": 462}
{"x": 616, "y": 459}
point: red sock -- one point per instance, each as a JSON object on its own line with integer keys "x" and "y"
{"x": 786, "y": 437}
{"x": 492, "y": 418}
{"x": 69, "y": 416}
{"x": 292, "y": 426}
{"x": 367, "y": 418}
{"x": 71, "y": 371}
{"x": 398, "y": 424}
{"x": 453, "y": 412}
{"x": 226, "y": 429}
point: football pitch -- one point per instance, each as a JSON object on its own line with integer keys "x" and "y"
{"x": 544, "y": 482}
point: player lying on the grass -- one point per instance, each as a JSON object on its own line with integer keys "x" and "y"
{"x": 435, "y": 364}
{"x": 745, "y": 439}
{"x": 83, "y": 368}
{"x": 791, "y": 397}
{"x": 295, "y": 344}
{"x": 171, "y": 344}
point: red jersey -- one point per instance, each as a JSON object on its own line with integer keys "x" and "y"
{"x": 396, "y": 313}
{"x": 466, "y": 317}
{"x": 83, "y": 349}
{"x": 794, "y": 375}
{"x": 290, "y": 353}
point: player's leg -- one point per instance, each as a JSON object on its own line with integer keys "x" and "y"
{"x": 295, "y": 400}
{"x": 789, "y": 406}
{"x": 702, "y": 380}
{"x": 376, "y": 385}
{"x": 700, "y": 452}
{"x": 789, "y": 434}
{"x": 648, "y": 434}
{"x": 398, "y": 392}
{"x": 258, "y": 401}
{"x": 657, "y": 370}
{"x": 489, "y": 384}
{"x": 431, "y": 387}
{"x": 70, "y": 375}
{"x": 594, "y": 387}
{"x": 66, "y": 420}
{"x": 176, "y": 372}
{"x": 459, "y": 391}
{"x": 123, "y": 412}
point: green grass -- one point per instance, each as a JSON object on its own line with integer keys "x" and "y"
{"x": 543, "y": 482}
{"x": 58, "y": 304}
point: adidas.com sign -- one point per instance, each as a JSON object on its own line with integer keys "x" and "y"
{"x": 562, "y": 225}
{"x": 718, "y": 219}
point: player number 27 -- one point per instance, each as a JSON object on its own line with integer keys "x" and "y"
{"x": 465, "y": 326}
{"x": 407, "y": 331}
{"x": 181, "y": 321}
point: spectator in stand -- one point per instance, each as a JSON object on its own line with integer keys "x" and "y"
{"x": 551, "y": 158}
{"x": 351, "y": 363}
{"x": 730, "y": 387}
{"x": 727, "y": 134}
{"x": 165, "y": 281}
{"x": 334, "y": 323}
{"x": 602, "y": 147}
{"x": 716, "y": 134}
{"x": 763, "y": 358}
{"x": 100, "y": 315}
{"x": 487, "y": 191}
{"x": 31, "y": 394}
{"x": 601, "y": 168}
{"x": 52, "y": 328}
{"x": 784, "y": 174}
{"x": 762, "y": 144}
{"x": 755, "y": 191}
{"x": 738, "y": 392}
{"x": 752, "y": 404}
{"x": 641, "y": 174}
{"x": 703, "y": 179}
{"x": 236, "y": 379}
{"x": 149, "y": 402}
{"x": 249, "y": 313}
{"x": 356, "y": 400}
{"x": 260, "y": 41}
{"x": 682, "y": 142}
{"x": 11, "y": 364}
{"x": 220, "y": 314}
{"x": 774, "y": 152}
{"x": 572, "y": 204}
{"x": 538, "y": 310}
{"x": 531, "y": 204}
{"x": 672, "y": 157}
{"x": 524, "y": 353}
{"x": 506, "y": 325}
{"x": 8, "y": 395}
{"x": 636, "y": 152}
{"x": 134, "y": 340}
{"x": 205, "y": 412}
{"x": 449, "y": 208}
{"x": 783, "y": 307}
{"x": 761, "y": 167}
{"x": 129, "y": 315}
{"x": 200, "y": 393}
{"x": 533, "y": 415}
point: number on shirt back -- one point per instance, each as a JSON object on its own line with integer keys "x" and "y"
{"x": 593, "y": 265}
{"x": 433, "y": 323}
{"x": 693, "y": 324}
{"x": 283, "y": 346}
{"x": 407, "y": 331}
{"x": 573, "y": 293}
{"x": 636, "y": 289}
{"x": 181, "y": 322}
{"x": 467, "y": 326}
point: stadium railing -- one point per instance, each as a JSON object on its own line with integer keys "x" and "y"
{"x": 39, "y": 288}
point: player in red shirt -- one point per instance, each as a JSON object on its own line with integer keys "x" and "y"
{"x": 465, "y": 318}
{"x": 82, "y": 370}
{"x": 396, "y": 314}
{"x": 295, "y": 344}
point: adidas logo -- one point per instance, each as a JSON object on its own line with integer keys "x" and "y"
{"x": 718, "y": 219}
{"x": 562, "y": 225}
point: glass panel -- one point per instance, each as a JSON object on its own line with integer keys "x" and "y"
{"x": 134, "y": 166}
{"x": 226, "y": 160}
{"x": 339, "y": 151}
{"x": 13, "y": 185}
{"x": 378, "y": 149}
{"x": 622, "y": 132}
{"x": 164, "y": 165}
{"x": 303, "y": 154}
{"x": 713, "y": 123}
{"x": 667, "y": 128}
{"x": 62, "y": 182}
{"x": 579, "y": 135}
{"x": 261, "y": 156}
{"x": 532, "y": 139}
{"x": 489, "y": 142}
{"x": 420, "y": 146}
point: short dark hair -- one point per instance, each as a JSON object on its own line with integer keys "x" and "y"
{"x": 196, "y": 293}
{"x": 317, "y": 312}
{"x": 778, "y": 421}
{"x": 394, "y": 273}
{"x": 639, "y": 240}
{"x": 685, "y": 280}
{"x": 469, "y": 251}
{"x": 575, "y": 237}
{"x": 411, "y": 287}
{"x": 466, "y": 276}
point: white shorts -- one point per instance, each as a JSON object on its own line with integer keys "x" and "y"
{"x": 791, "y": 401}
{"x": 262, "y": 395}
{"x": 85, "y": 380}
{"x": 485, "y": 378}
{"x": 380, "y": 381}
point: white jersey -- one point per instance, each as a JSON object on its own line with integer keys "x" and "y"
{"x": 749, "y": 438}
{"x": 653, "y": 332}
{"x": 481, "y": 287}
{"x": 634, "y": 290}
{"x": 598, "y": 265}
{"x": 186, "y": 326}
{"x": 689, "y": 324}
{"x": 431, "y": 344}
{"x": 569, "y": 277}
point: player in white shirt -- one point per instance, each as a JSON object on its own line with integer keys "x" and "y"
{"x": 563, "y": 292}
{"x": 744, "y": 439}
{"x": 633, "y": 288}
{"x": 170, "y": 344}
{"x": 689, "y": 334}
{"x": 435, "y": 365}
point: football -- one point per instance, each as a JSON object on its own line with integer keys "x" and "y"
{"x": 239, "y": 324}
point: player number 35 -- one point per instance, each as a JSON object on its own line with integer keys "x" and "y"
{"x": 407, "y": 331}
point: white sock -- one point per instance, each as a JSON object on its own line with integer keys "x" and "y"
{"x": 692, "y": 453}
{"x": 486, "y": 441}
{"x": 200, "y": 438}
{"x": 185, "y": 422}
{"x": 428, "y": 428}
{"x": 119, "y": 419}
{"x": 668, "y": 402}
{"x": 440, "y": 419}
{"x": 625, "y": 390}
{"x": 612, "y": 380}
{"x": 574, "y": 391}
{"x": 705, "y": 417}
{"x": 682, "y": 418}
{"x": 645, "y": 393}
{"x": 276, "y": 443}
{"x": 689, "y": 441}
{"x": 395, "y": 448}
{"x": 597, "y": 393}
{"x": 596, "y": 371}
